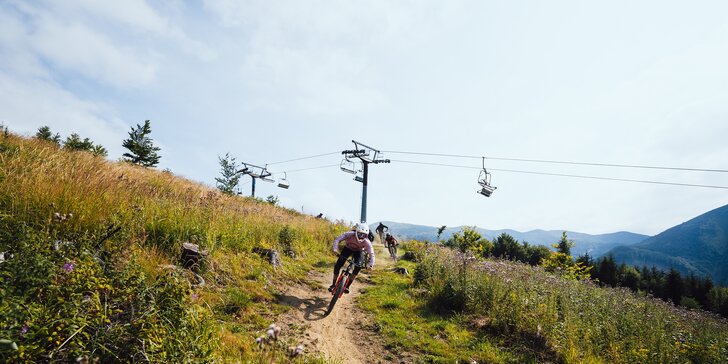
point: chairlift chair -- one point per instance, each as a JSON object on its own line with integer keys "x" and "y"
{"x": 484, "y": 182}
{"x": 348, "y": 166}
{"x": 283, "y": 182}
{"x": 266, "y": 177}
{"x": 487, "y": 191}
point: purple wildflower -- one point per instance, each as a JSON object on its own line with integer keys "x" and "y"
{"x": 23, "y": 330}
{"x": 68, "y": 267}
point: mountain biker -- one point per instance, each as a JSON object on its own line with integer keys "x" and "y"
{"x": 390, "y": 240}
{"x": 355, "y": 242}
{"x": 381, "y": 228}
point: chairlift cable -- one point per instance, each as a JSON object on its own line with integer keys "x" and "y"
{"x": 306, "y": 169}
{"x": 567, "y": 175}
{"x": 562, "y": 162}
{"x": 302, "y": 158}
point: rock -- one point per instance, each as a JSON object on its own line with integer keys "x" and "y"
{"x": 401, "y": 270}
{"x": 269, "y": 254}
{"x": 410, "y": 256}
{"x": 192, "y": 256}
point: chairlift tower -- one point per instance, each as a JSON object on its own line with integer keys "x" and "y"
{"x": 256, "y": 172}
{"x": 366, "y": 155}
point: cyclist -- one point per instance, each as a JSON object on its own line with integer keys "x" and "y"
{"x": 391, "y": 242}
{"x": 354, "y": 243}
{"x": 381, "y": 228}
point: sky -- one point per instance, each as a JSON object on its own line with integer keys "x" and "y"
{"x": 618, "y": 82}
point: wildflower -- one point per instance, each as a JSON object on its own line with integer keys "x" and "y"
{"x": 273, "y": 331}
{"x": 298, "y": 350}
{"x": 23, "y": 330}
{"x": 68, "y": 267}
{"x": 194, "y": 297}
{"x": 261, "y": 341}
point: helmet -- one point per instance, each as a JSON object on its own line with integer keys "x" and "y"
{"x": 362, "y": 231}
{"x": 387, "y": 235}
{"x": 362, "y": 228}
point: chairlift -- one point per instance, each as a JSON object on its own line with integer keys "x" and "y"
{"x": 359, "y": 179}
{"x": 365, "y": 157}
{"x": 348, "y": 166}
{"x": 283, "y": 182}
{"x": 484, "y": 182}
{"x": 265, "y": 176}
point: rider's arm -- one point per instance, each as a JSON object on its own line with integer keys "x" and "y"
{"x": 339, "y": 239}
{"x": 371, "y": 253}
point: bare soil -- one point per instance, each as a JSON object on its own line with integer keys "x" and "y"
{"x": 348, "y": 334}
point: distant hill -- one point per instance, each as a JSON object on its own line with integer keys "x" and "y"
{"x": 698, "y": 246}
{"x": 595, "y": 245}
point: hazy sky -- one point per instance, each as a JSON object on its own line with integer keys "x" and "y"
{"x": 619, "y": 82}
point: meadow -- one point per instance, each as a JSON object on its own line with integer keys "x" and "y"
{"x": 456, "y": 308}
{"x": 93, "y": 253}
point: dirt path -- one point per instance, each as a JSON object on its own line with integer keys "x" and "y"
{"x": 346, "y": 335}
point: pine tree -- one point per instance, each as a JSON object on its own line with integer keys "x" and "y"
{"x": 44, "y": 133}
{"x": 142, "y": 150}
{"x": 74, "y": 142}
{"x": 230, "y": 176}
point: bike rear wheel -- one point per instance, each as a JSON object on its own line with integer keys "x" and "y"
{"x": 393, "y": 251}
{"x": 338, "y": 291}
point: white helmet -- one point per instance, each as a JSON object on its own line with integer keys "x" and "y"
{"x": 362, "y": 228}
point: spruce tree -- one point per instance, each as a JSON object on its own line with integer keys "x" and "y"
{"x": 230, "y": 176}
{"x": 142, "y": 150}
{"x": 44, "y": 133}
{"x": 74, "y": 142}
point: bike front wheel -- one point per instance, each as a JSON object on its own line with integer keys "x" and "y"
{"x": 338, "y": 291}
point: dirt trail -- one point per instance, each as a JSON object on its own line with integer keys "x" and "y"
{"x": 346, "y": 335}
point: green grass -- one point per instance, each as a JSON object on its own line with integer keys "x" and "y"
{"x": 502, "y": 312}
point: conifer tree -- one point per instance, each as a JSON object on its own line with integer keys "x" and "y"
{"x": 44, "y": 133}
{"x": 74, "y": 142}
{"x": 230, "y": 176}
{"x": 141, "y": 149}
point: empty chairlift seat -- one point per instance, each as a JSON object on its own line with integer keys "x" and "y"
{"x": 283, "y": 182}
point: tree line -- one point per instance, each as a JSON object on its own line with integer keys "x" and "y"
{"x": 141, "y": 148}
{"x": 691, "y": 291}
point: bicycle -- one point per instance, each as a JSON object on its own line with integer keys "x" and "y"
{"x": 392, "y": 251}
{"x": 341, "y": 283}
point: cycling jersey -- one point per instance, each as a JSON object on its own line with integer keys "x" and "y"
{"x": 353, "y": 243}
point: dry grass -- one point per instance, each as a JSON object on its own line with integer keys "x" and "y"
{"x": 65, "y": 193}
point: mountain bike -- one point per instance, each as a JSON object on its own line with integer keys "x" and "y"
{"x": 341, "y": 283}
{"x": 392, "y": 251}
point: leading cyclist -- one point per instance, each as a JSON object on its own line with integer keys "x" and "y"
{"x": 355, "y": 242}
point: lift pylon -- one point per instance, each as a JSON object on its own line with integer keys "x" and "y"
{"x": 367, "y": 155}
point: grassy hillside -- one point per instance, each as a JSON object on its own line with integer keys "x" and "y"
{"x": 91, "y": 247}
{"x": 455, "y": 308}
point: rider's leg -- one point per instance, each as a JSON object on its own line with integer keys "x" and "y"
{"x": 357, "y": 258}
{"x": 345, "y": 253}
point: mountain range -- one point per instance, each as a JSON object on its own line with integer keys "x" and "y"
{"x": 698, "y": 246}
{"x": 595, "y": 245}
